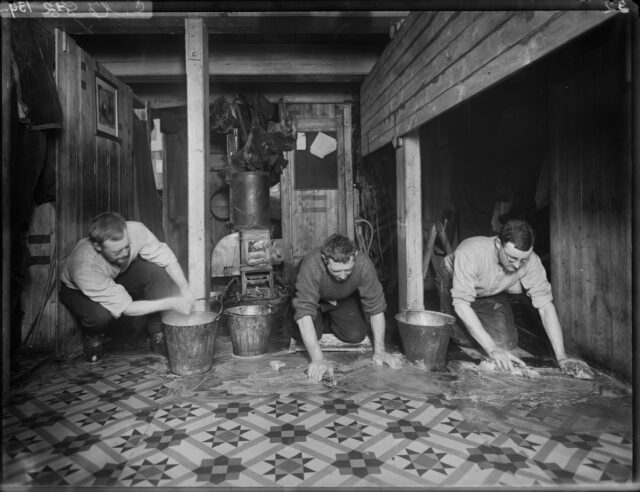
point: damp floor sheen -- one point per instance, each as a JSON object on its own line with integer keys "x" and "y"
{"x": 126, "y": 421}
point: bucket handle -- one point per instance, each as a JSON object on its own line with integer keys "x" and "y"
{"x": 221, "y": 308}
{"x": 217, "y": 298}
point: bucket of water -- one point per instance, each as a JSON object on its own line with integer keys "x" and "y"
{"x": 249, "y": 327}
{"x": 190, "y": 341}
{"x": 425, "y": 336}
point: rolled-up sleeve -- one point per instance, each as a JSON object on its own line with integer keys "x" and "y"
{"x": 464, "y": 279}
{"x": 151, "y": 249}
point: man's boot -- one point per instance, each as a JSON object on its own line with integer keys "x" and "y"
{"x": 92, "y": 347}
{"x": 158, "y": 344}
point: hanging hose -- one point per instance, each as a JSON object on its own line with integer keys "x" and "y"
{"x": 362, "y": 242}
{"x": 49, "y": 286}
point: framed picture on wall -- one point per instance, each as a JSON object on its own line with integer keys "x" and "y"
{"x": 106, "y": 108}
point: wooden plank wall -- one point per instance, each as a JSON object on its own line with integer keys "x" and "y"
{"x": 93, "y": 173}
{"x": 439, "y": 59}
{"x": 39, "y": 322}
{"x": 437, "y": 170}
{"x": 591, "y": 199}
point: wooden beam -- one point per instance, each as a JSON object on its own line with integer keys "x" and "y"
{"x": 326, "y": 63}
{"x": 409, "y": 203}
{"x": 173, "y": 95}
{"x": 6, "y": 207}
{"x": 197, "y": 54}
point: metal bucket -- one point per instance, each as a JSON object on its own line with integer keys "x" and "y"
{"x": 425, "y": 336}
{"x": 249, "y": 328}
{"x": 190, "y": 341}
{"x": 250, "y": 200}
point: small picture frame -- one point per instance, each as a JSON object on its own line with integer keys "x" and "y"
{"x": 106, "y": 108}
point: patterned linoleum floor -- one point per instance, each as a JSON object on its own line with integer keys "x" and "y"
{"x": 119, "y": 423}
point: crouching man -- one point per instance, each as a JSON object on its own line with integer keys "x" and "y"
{"x": 338, "y": 289}
{"x": 473, "y": 285}
{"x": 121, "y": 269}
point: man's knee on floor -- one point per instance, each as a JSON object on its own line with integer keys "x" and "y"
{"x": 353, "y": 337}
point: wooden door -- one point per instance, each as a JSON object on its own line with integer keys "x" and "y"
{"x": 317, "y": 189}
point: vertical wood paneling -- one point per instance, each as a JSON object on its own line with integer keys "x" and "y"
{"x": 42, "y": 224}
{"x": 68, "y": 200}
{"x": 612, "y": 181}
{"x": 323, "y": 221}
{"x": 125, "y": 192}
{"x": 92, "y": 172}
{"x": 588, "y": 245}
{"x": 115, "y": 170}
{"x": 591, "y": 210}
{"x": 86, "y": 133}
{"x": 335, "y": 212}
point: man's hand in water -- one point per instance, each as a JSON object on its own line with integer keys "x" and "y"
{"x": 575, "y": 367}
{"x": 319, "y": 368}
{"x": 505, "y": 360}
{"x": 181, "y": 305}
{"x": 394, "y": 361}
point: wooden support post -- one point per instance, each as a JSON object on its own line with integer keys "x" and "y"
{"x": 5, "y": 343}
{"x": 348, "y": 168}
{"x": 197, "y": 67}
{"x": 409, "y": 203}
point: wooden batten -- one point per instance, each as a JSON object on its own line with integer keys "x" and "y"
{"x": 69, "y": 184}
{"x": 440, "y": 59}
{"x": 411, "y": 283}
{"x": 348, "y": 207}
{"x": 197, "y": 54}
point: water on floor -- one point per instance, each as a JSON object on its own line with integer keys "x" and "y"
{"x": 259, "y": 422}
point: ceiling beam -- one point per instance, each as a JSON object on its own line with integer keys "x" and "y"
{"x": 244, "y": 62}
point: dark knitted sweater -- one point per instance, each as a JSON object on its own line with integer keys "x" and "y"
{"x": 314, "y": 284}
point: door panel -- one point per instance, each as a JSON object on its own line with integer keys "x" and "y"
{"x": 311, "y": 215}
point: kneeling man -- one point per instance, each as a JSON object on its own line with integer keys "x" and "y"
{"x": 337, "y": 288}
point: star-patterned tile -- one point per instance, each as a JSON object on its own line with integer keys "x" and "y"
{"x": 127, "y": 422}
